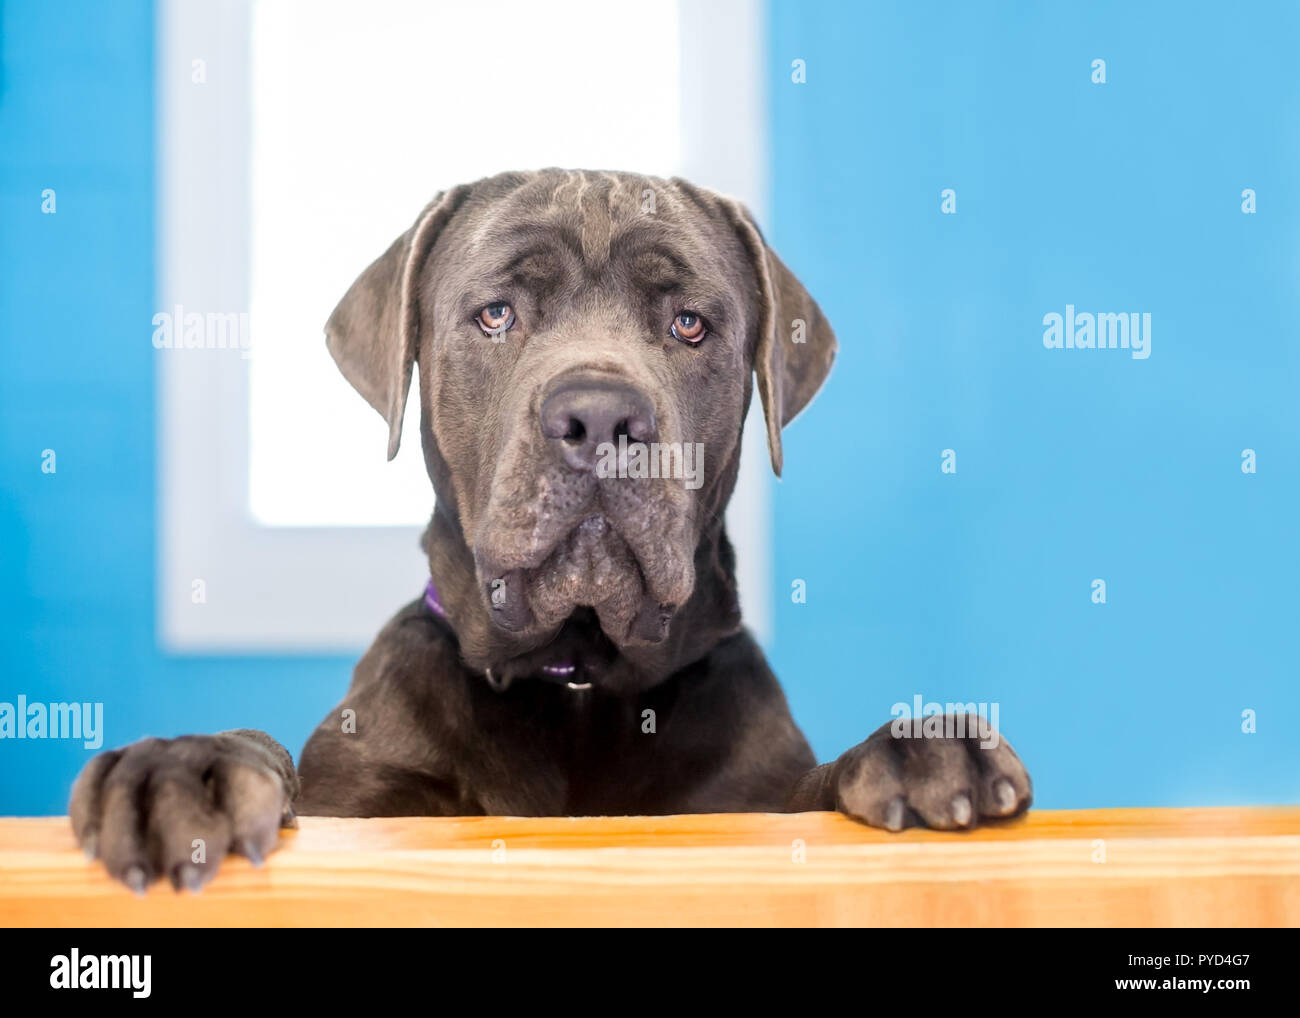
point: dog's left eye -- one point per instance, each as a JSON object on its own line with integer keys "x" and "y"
{"x": 689, "y": 327}
{"x": 496, "y": 318}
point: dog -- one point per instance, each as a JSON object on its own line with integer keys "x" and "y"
{"x": 579, "y": 649}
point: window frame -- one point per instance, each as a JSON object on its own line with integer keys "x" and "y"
{"x": 313, "y": 589}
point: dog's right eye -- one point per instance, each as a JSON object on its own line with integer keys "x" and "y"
{"x": 496, "y": 318}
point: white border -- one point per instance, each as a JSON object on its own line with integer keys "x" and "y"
{"x": 322, "y": 589}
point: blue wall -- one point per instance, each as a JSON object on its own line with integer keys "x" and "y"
{"x": 1071, "y": 464}
{"x": 76, "y": 298}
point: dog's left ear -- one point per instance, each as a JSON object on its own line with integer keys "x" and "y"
{"x": 374, "y": 332}
{"x": 796, "y": 345}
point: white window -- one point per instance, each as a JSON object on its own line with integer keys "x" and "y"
{"x": 296, "y": 140}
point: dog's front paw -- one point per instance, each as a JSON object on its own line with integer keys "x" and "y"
{"x": 175, "y": 807}
{"x": 902, "y": 777}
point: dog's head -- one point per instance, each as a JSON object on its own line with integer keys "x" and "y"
{"x": 586, "y": 344}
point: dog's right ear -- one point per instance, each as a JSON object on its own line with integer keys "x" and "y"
{"x": 374, "y": 332}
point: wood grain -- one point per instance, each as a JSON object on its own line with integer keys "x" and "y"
{"x": 1178, "y": 867}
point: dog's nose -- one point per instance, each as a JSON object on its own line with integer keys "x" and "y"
{"x": 580, "y": 416}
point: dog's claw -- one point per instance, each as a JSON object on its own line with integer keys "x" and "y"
{"x": 251, "y": 852}
{"x": 961, "y": 810}
{"x": 188, "y": 877}
{"x": 90, "y": 846}
{"x": 136, "y": 879}
{"x": 894, "y": 814}
{"x": 1005, "y": 794}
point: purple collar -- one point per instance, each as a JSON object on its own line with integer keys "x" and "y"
{"x": 561, "y": 670}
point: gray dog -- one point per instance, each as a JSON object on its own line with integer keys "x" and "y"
{"x": 581, "y": 338}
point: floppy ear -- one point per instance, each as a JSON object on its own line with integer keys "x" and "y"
{"x": 796, "y": 345}
{"x": 374, "y": 332}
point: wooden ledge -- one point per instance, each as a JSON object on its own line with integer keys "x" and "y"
{"x": 1123, "y": 867}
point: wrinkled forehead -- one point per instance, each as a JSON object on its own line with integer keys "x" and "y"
{"x": 606, "y": 223}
